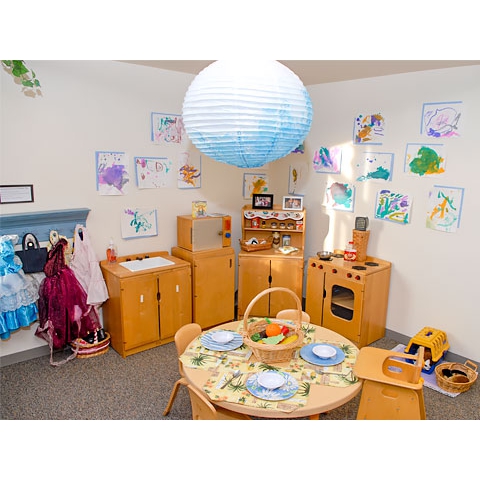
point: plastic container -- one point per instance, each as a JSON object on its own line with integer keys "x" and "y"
{"x": 350, "y": 253}
{"x": 112, "y": 252}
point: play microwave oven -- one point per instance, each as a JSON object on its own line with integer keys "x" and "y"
{"x": 204, "y": 233}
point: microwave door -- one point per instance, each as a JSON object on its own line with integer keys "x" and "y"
{"x": 207, "y": 234}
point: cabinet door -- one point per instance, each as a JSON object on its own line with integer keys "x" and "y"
{"x": 139, "y": 310}
{"x": 175, "y": 294}
{"x": 253, "y": 278}
{"x": 214, "y": 295}
{"x": 315, "y": 290}
{"x": 286, "y": 273}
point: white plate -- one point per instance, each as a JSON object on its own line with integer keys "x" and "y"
{"x": 324, "y": 351}
{"x": 222, "y": 336}
{"x": 270, "y": 380}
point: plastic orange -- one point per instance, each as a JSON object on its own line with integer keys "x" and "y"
{"x": 273, "y": 329}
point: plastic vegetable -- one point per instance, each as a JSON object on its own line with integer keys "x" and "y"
{"x": 285, "y": 329}
{"x": 256, "y": 337}
{"x": 289, "y": 339}
{"x": 274, "y": 340}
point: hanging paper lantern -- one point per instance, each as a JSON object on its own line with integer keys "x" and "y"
{"x": 247, "y": 113}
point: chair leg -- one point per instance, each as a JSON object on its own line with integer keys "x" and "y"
{"x": 180, "y": 381}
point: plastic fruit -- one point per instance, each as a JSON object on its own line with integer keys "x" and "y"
{"x": 273, "y": 329}
{"x": 289, "y": 339}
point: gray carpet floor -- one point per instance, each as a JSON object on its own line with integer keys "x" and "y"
{"x": 109, "y": 387}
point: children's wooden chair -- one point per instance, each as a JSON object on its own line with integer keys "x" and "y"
{"x": 392, "y": 388}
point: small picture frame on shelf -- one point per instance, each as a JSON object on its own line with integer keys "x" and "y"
{"x": 262, "y": 200}
{"x": 292, "y": 203}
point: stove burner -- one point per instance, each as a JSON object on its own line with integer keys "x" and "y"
{"x": 359, "y": 267}
{"x": 371, "y": 264}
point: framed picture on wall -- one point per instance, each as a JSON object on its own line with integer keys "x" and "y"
{"x": 292, "y": 203}
{"x": 262, "y": 200}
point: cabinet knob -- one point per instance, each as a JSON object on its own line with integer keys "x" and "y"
{"x": 349, "y": 275}
{"x": 334, "y": 270}
{"x": 313, "y": 264}
{"x": 320, "y": 267}
{"x": 357, "y": 277}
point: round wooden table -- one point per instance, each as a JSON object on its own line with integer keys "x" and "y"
{"x": 322, "y": 398}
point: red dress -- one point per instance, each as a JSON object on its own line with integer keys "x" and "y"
{"x": 64, "y": 314}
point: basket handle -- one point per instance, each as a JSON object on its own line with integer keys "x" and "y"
{"x": 266, "y": 292}
{"x": 473, "y": 367}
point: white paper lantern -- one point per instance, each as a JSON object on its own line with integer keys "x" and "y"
{"x": 247, "y": 113}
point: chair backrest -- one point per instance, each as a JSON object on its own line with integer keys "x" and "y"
{"x": 291, "y": 314}
{"x": 202, "y": 409}
{"x": 185, "y": 335}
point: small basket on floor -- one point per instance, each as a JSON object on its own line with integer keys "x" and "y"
{"x": 461, "y": 376}
{"x": 88, "y": 350}
{"x": 272, "y": 353}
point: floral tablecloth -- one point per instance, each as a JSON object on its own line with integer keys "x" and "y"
{"x": 222, "y": 365}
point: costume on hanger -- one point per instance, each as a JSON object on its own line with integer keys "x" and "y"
{"x": 63, "y": 310}
{"x": 18, "y": 295}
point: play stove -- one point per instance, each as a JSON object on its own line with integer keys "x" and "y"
{"x": 350, "y": 298}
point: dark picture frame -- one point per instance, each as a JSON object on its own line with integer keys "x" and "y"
{"x": 16, "y": 194}
{"x": 262, "y": 200}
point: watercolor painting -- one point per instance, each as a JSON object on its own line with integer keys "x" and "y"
{"x": 154, "y": 172}
{"x": 376, "y": 166}
{"x": 112, "y": 173}
{"x": 340, "y": 196}
{"x": 189, "y": 171}
{"x": 167, "y": 128}
{"x": 369, "y": 129}
{"x": 394, "y": 207}
{"x": 327, "y": 160}
{"x": 139, "y": 222}
{"x": 441, "y": 120}
{"x": 254, "y": 183}
{"x": 296, "y": 178}
{"x": 424, "y": 160}
{"x": 444, "y": 208}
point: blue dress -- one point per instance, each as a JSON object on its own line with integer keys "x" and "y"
{"x": 18, "y": 295}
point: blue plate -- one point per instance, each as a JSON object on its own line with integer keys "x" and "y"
{"x": 307, "y": 354}
{"x": 207, "y": 341}
{"x": 287, "y": 390}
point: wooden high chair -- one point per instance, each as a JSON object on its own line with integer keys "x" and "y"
{"x": 392, "y": 388}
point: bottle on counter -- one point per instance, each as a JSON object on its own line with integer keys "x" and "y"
{"x": 350, "y": 253}
{"x": 112, "y": 252}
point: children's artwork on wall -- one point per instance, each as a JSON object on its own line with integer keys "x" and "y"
{"x": 423, "y": 160}
{"x": 299, "y": 149}
{"x": 189, "y": 171}
{"x": 376, "y": 166}
{"x": 327, "y": 160}
{"x": 441, "y": 120}
{"x": 254, "y": 183}
{"x": 154, "y": 172}
{"x": 444, "y": 208}
{"x": 296, "y": 178}
{"x": 369, "y": 129}
{"x": 112, "y": 173}
{"x": 394, "y": 207}
{"x": 139, "y": 222}
{"x": 166, "y": 128}
{"x": 340, "y": 196}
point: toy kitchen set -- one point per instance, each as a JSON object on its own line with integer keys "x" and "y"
{"x": 347, "y": 291}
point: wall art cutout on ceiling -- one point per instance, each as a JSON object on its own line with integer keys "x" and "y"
{"x": 369, "y": 129}
{"x": 254, "y": 183}
{"x": 112, "y": 174}
{"x": 376, "y": 166}
{"x": 444, "y": 208}
{"x": 154, "y": 172}
{"x": 139, "y": 222}
{"x": 299, "y": 149}
{"x": 441, "y": 120}
{"x": 167, "y": 128}
{"x": 424, "y": 159}
{"x": 189, "y": 171}
{"x": 327, "y": 160}
{"x": 394, "y": 207}
{"x": 340, "y": 196}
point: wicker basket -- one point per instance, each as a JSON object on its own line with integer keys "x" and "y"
{"x": 457, "y": 383}
{"x": 272, "y": 353}
{"x": 360, "y": 240}
{"x": 89, "y": 350}
{"x": 256, "y": 246}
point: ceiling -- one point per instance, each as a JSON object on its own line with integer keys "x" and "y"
{"x": 313, "y": 72}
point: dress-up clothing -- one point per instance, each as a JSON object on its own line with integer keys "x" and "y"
{"x": 63, "y": 310}
{"x": 18, "y": 295}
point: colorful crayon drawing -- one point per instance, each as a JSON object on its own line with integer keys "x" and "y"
{"x": 375, "y": 166}
{"x": 423, "y": 160}
{"x": 189, "y": 171}
{"x": 167, "y": 128}
{"x": 444, "y": 208}
{"x": 394, "y": 207}
{"x": 112, "y": 174}
{"x": 369, "y": 129}
{"x": 153, "y": 172}
{"x": 327, "y": 160}
{"x": 254, "y": 183}
{"x": 139, "y": 222}
{"x": 340, "y": 196}
{"x": 440, "y": 120}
